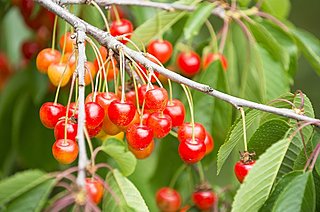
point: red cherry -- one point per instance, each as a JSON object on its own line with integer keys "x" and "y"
{"x": 139, "y": 136}
{"x": 30, "y": 49}
{"x": 50, "y": 114}
{"x": 208, "y": 141}
{"x": 131, "y": 96}
{"x": 65, "y": 151}
{"x": 142, "y": 90}
{"x": 143, "y": 153}
{"x": 160, "y": 124}
{"x": 168, "y": 199}
{"x": 153, "y": 79}
{"x": 45, "y": 58}
{"x": 156, "y": 99}
{"x": 94, "y": 131}
{"x": 94, "y": 114}
{"x": 204, "y": 199}
{"x": 161, "y": 49}
{"x": 189, "y": 63}
{"x": 69, "y": 42}
{"x": 105, "y": 99}
{"x": 241, "y": 169}
{"x": 73, "y": 110}
{"x": 175, "y": 109}
{"x": 185, "y": 132}
{"x": 72, "y": 130}
{"x": 121, "y": 113}
{"x": 94, "y": 190}
{"x": 192, "y": 151}
{"x": 109, "y": 127}
{"x": 121, "y": 27}
{"x": 211, "y": 57}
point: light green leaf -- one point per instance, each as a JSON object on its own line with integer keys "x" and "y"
{"x": 127, "y": 197}
{"x": 277, "y": 8}
{"x": 258, "y": 183}
{"x": 117, "y": 150}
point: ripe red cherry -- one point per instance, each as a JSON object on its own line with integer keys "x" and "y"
{"x": 204, "y": 199}
{"x": 94, "y": 114}
{"x": 50, "y": 113}
{"x": 208, "y": 141}
{"x": 241, "y": 169}
{"x": 69, "y": 42}
{"x": 153, "y": 79}
{"x": 189, "y": 63}
{"x": 73, "y": 110}
{"x": 142, "y": 90}
{"x": 105, "y": 99}
{"x": 121, "y": 113}
{"x": 185, "y": 132}
{"x": 161, "y": 49}
{"x": 94, "y": 131}
{"x": 121, "y": 27}
{"x": 65, "y": 151}
{"x": 156, "y": 99}
{"x": 72, "y": 130}
{"x": 211, "y": 57}
{"x": 139, "y": 136}
{"x": 30, "y": 49}
{"x": 143, "y": 153}
{"x": 168, "y": 199}
{"x": 45, "y": 58}
{"x": 94, "y": 190}
{"x": 175, "y": 109}
{"x": 192, "y": 151}
{"x": 109, "y": 127}
{"x": 160, "y": 124}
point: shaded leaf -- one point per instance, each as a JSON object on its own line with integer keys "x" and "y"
{"x": 277, "y": 8}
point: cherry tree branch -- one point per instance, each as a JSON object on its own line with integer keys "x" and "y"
{"x": 111, "y": 42}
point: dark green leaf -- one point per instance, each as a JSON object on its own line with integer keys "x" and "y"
{"x": 316, "y": 178}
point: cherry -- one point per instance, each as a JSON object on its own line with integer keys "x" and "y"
{"x": 90, "y": 72}
{"x": 95, "y": 131}
{"x": 72, "y": 130}
{"x": 70, "y": 59}
{"x": 105, "y": 99}
{"x": 192, "y": 151}
{"x": 69, "y": 42}
{"x": 204, "y": 199}
{"x": 65, "y": 151}
{"x": 161, "y": 49}
{"x": 94, "y": 190}
{"x": 189, "y": 63}
{"x": 73, "y": 110}
{"x": 153, "y": 79}
{"x": 175, "y": 109}
{"x": 94, "y": 114}
{"x": 185, "y": 132}
{"x": 59, "y": 72}
{"x": 160, "y": 124}
{"x": 121, "y": 113}
{"x": 139, "y": 136}
{"x": 121, "y": 27}
{"x": 211, "y": 57}
{"x": 143, "y": 153}
{"x": 50, "y": 113}
{"x": 131, "y": 96}
{"x": 142, "y": 90}
{"x": 156, "y": 99}
{"x": 30, "y": 49}
{"x": 103, "y": 52}
{"x": 241, "y": 169}
{"x": 135, "y": 120}
{"x": 45, "y": 58}
{"x": 109, "y": 127}
{"x": 208, "y": 141}
{"x": 168, "y": 199}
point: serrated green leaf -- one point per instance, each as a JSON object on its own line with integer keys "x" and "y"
{"x": 197, "y": 19}
{"x": 117, "y": 150}
{"x": 298, "y": 196}
{"x": 258, "y": 183}
{"x": 128, "y": 198}
{"x": 235, "y": 136}
{"x": 267, "y": 134}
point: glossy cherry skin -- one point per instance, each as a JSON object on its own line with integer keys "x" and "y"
{"x": 192, "y": 151}
{"x": 70, "y": 59}
{"x": 161, "y": 49}
{"x": 168, "y": 199}
{"x": 105, "y": 99}
{"x": 121, "y": 113}
{"x": 142, "y": 90}
{"x": 109, "y": 127}
{"x": 156, "y": 99}
{"x": 50, "y": 113}
{"x": 176, "y": 110}
{"x": 143, "y": 153}
{"x": 211, "y": 57}
{"x": 73, "y": 110}
{"x": 59, "y": 72}
{"x": 30, "y": 49}
{"x": 94, "y": 114}
{"x": 94, "y": 131}
{"x": 69, "y": 42}
{"x": 45, "y": 58}
{"x": 139, "y": 136}
{"x": 208, "y": 141}
{"x": 242, "y": 169}
{"x": 204, "y": 200}
{"x": 160, "y": 124}
{"x": 72, "y": 130}
{"x": 185, "y": 132}
{"x": 65, "y": 151}
{"x": 189, "y": 63}
{"x": 121, "y": 27}
{"x": 94, "y": 190}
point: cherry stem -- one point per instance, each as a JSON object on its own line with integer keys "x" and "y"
{"x": 64, "y": 42}
{"x": 224, "y": 35}
{"x": 54, "y": 33}
{"x": 114, "y": 73}
{"x": 213, "y": 36}
{"x": 282, "y": 100}
{"x": 116, "y": 13}
{"x": 189, "y": 98}
{"x": 303, "y": 141}
{"x": 302, "y": 126}
{"x": 102, "y": 15}
{"x": 74, "y": 76}
{"x": 173, "y": 133}
{"x": 243, "y": 115}
{"x": 90, "y": 146}
{"x": 315, "y": 157}
{"x": 122, "y": 64}
{"x": 301, "y": 97}
{"x": 135, "y": 89}
{"x": 201, "y": 172}
{"x": 177, "y": 175}
{"x": 170, "y": 91}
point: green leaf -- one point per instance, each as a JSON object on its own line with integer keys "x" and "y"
{"x": 127, "y": 197}
{"x": 258, "y": 183}
{"x": 277, "y": 8}
{"x": 310, "y": 47}
{"x": 197, "y": 19}
{"x": 34, "y": 199}
{"x": 235, "y": 136}
{"x": 267, "y": 134}
{"x": 316, "y": 178}
{"x": 299, "y": 195}
{"x": 19, "y": 183}
{"x": 118, "y": 151}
